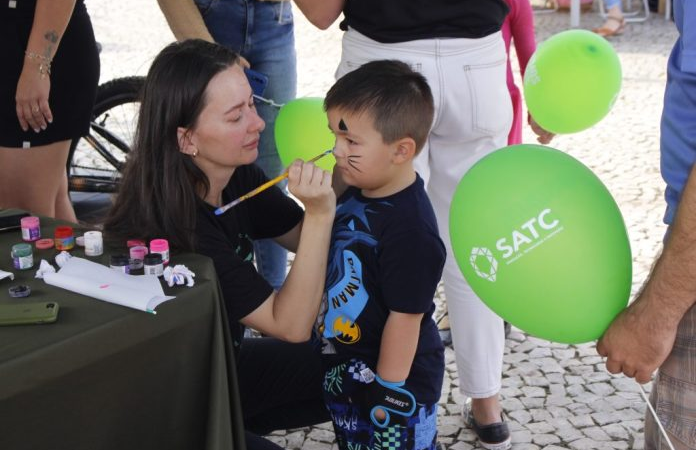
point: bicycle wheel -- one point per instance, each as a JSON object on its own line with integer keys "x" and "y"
{"x": 96, "y": 159}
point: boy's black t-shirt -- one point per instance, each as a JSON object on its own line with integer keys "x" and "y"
{"x": 227, "y": 239}
{"x": 385, "y": 255}
{"x": 390, "y": 21}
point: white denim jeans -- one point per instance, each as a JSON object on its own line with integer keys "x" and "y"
{"x": 473, "y": 115}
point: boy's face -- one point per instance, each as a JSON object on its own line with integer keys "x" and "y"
{"x": 362, "y": 158}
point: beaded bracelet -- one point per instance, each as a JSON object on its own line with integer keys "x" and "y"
{"x": 44, "y": 63}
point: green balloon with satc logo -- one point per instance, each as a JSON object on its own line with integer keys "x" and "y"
{"x": 542, "y": 242}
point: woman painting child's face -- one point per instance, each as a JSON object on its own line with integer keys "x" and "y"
{"x": 227, "y": 131}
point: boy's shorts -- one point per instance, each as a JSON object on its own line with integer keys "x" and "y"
{"x": 351, "y": 420}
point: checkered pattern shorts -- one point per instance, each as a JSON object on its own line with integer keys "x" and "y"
{"x": 674, "y": 392}
{"x": 353, "y": 427}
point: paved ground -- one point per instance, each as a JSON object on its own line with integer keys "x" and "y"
{"x": 557, "y": 396}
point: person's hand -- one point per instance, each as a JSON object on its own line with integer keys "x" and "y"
{"x": 312, "y": 186}
{"x": 543, "y": 136}
{"x": 31, "y": 98}
{"x": 638, "y": 341}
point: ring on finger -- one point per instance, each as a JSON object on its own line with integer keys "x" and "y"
{"x": 35, "y": 109}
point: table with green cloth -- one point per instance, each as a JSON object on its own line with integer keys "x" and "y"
{"x": 104, "y": 376}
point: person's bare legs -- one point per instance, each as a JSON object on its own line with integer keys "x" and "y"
{"x": 34, "y": 179}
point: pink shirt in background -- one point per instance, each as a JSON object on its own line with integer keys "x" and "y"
{"x": 518, "y": 27}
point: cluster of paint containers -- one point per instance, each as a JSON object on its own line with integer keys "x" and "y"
{"x": 151, "y": 261}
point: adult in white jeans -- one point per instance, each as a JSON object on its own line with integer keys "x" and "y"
{"x": 473, "y": 115}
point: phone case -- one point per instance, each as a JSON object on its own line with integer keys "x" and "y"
{"x": 11, "y": 222}
{"x": 257, "y": 81}
{"x": 28, "y": 313}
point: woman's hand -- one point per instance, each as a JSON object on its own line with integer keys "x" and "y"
{"x": 312, "y": 186}
{"x": 543, "y": 136}
{"x": 31, "y": 98}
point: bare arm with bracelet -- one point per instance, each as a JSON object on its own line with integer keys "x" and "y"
{"x": 51, "y": 18}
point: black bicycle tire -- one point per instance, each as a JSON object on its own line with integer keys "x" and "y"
{"x": 114, "y": 92}
{"x": 111, "y": 94}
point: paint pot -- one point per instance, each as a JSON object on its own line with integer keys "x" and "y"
{"x": 19, "y": 291}
{"x": 31, "y": 228}
{"x": 153, "y": 264}
{"x": 137, "y": 255}
{"x": 160, "y": 246}
{"x": 44, "y": 244}
{"x": 22, "y": 256}
{"x": 134, "y": 242}
{"x": 64, "y": 238}
{"x": 120, "y": 263}
{"x": 94, "y": 243}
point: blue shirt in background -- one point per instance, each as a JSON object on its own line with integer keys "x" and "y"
{"x": 678, "y": 127}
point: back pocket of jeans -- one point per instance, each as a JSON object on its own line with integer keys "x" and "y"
{"x": 491, "y": 108}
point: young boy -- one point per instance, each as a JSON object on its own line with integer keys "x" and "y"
{"x": 383, "y": 353}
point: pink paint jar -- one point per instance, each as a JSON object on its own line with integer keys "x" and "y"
{"x": 137, "y": 255}
{"x": 134, "y": 242}
{"x": 31, "y": 228}
{"x": 160, "y": 246}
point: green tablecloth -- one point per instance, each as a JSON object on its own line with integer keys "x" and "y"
{"x": 109, "y": 377}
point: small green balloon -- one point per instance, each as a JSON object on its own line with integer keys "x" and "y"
{"x": 542, "y": 242}
{"x": 302, "y": 131}
{"x": 572, "y": 81}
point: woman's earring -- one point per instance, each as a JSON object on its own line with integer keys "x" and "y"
{"x": 195, "y": 152}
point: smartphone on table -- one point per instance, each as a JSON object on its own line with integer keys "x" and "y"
{"x": 28, "y": 313}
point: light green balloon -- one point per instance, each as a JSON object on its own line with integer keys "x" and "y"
{"x": 302, "y": 131}
{"x": 541, "y": 241}
{"x": 572, "y": 81}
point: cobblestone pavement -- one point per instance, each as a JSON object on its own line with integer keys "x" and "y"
{"x": 556, "y": 396}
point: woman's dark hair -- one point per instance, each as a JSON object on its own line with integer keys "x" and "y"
{"x": 160, "y": 187}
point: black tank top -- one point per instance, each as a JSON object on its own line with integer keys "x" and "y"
{"x": 22, "y": 8}
{"x": 392, "y": 21}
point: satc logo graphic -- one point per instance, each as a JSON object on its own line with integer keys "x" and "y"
{"x": 521, "y": 241}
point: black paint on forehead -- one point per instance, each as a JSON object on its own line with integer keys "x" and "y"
{"x": 342, "y": 125}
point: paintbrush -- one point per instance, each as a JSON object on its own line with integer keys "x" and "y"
{"x": 264, "y": 186}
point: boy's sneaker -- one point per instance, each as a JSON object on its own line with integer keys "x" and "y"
{"x": 495, "y": 436}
